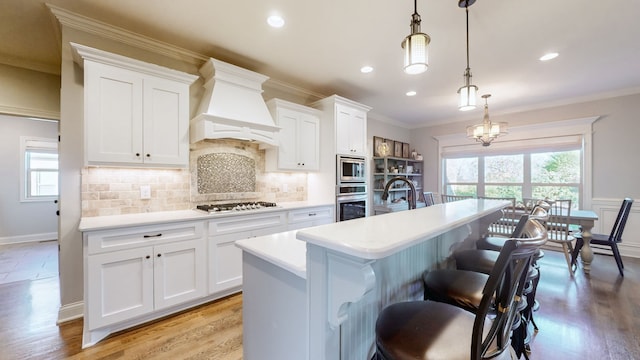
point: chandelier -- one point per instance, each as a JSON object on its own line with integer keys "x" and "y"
{"x": 468, "y": 93}
{"x": 488, "y": 131}
{"x": 416, "y": 54}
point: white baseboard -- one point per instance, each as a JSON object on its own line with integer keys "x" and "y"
{"x": 6, "y": 240}
{"x": 70, "y": 312}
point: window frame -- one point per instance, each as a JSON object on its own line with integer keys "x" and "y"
{"x": 552, "y": 136}
{"x": 35, "y": 144}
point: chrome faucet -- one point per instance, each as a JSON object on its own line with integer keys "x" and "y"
{"x": 385, "y": 193}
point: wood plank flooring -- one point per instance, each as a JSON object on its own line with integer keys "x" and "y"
{"x": 585, "y": 317}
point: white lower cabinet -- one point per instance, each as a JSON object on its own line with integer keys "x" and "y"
{"x": 134, "y": 273}
{"x": 225, "y": 264}
{"x": 304, "y": 218}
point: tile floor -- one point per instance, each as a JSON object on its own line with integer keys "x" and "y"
{"x": 28, "y": 261}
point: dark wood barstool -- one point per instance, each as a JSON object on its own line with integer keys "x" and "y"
{"x": 441, "y": 285}
{"x": 435, "y": 330}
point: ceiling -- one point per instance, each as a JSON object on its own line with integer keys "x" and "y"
{"x": 325, "y": 42}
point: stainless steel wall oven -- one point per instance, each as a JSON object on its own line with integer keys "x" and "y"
{"x": 351, "y": 199}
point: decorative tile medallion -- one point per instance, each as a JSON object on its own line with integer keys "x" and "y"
{"x": 226, "y": 173}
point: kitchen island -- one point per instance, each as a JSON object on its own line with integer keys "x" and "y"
{"x": 352, "y": 270}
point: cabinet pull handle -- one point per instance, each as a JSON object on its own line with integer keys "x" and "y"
{"x": 312, "y": 214}
{"x": 150, "y": 236}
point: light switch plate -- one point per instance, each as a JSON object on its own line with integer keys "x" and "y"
{"x": 145, "y": 192}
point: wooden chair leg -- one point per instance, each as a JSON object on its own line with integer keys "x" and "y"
{"x": 616, "y": 255}
{"x": 567, "y": 255}
{"x": 576, "y": 251}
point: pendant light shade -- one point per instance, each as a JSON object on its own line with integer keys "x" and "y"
{"x": 468, "y": 93}
{"x": 488, "y": 131}
{"x": 416, "y": 52}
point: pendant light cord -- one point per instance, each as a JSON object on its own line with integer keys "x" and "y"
{"x": 466, "y": 8}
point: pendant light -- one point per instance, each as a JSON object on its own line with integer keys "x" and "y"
{"x": 488, "y": 131}
{"x": 467, "y": 93}
{"x": 416, "y": 55}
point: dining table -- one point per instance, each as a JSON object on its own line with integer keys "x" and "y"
{"x": 585, "y": 219}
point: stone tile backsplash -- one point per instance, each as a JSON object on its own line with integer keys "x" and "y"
{"x": 115, "y": 191}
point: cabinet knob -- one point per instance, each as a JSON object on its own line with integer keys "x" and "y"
{"x": 138, "y": 154}
{"x": 148, "y": 256}
{"x": 159, "y": 255}
{"x": 148, "y": 155}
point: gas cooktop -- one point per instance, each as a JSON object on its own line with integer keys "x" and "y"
{"x": 236, "y": 207}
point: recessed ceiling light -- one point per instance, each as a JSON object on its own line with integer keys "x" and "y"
{"x": 549, "y": 56}
{"x": 275, "y": 21}
{"x": 366, "y": 69}
{"x": 411, "y": 93}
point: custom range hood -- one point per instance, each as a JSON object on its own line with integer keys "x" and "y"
{"x": 232, "y": 106}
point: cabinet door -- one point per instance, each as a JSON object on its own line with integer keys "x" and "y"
{"x": 120, "y": 286}
{"x": 358, "y": 132}
{"x": 351, "y": 131}
{"x": 225, "y": 261}
{"x": 113, "y": 111}
{"x": 166, "y": 122}
{"x": 180, "y": 272}
{"x": 309, "y": 142}
{"x": 288, "y": 144}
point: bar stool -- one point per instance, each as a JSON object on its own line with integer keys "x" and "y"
{"x": 440, "y": 285}
{"x": 434, "y": 330}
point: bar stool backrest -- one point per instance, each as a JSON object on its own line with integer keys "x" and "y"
{"x": 505, "y": 284}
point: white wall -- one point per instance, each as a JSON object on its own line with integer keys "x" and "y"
{"x": 22, "y": 221}
{"x": 29, "y": 93}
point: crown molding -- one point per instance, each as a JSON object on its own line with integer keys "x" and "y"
{"x": 30, "y": 112}
{"x": 92, "y": 26}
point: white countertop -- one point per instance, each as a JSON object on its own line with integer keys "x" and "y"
{"x": 376, "y": 237}
{"x": 164, "y": 217}
{"x": 282, "y": 249}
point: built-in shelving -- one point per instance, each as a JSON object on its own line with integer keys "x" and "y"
{"x": 386, "y": 168}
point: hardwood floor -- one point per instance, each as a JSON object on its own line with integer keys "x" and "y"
{"x": 586, "y": 317}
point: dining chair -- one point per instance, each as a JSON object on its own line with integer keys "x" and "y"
{"x": 611, "y": 241}
{"x": 558, "y": 228}
{"x": 449, "y": 198}
{"x": 437, "y": 330}
{"x": 507, "y": 223}
{"x": 428, "y": 198}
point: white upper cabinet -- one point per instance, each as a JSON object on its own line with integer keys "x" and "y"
{"x": 345, "y": 124}
{"x": 351, "y": 130}
{"x": 135, "y": 113}
{"x": 298, "y": 139}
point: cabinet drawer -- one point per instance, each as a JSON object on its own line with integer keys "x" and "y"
{"x": 131, "y": 237}
{"x": 310, "y": 214}
{"x": 235, "y": 224}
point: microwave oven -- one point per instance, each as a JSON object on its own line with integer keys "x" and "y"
{"x": 350, "y": 169}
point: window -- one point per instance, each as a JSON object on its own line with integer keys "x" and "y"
{"x": 550, "y": 159}
{"x": 531, "y": 174}
{"x": 40, "y": 169}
